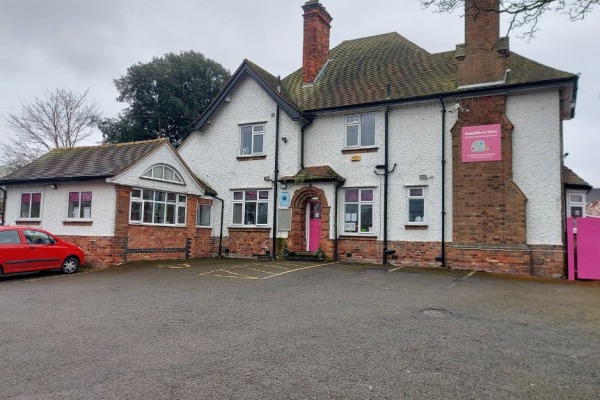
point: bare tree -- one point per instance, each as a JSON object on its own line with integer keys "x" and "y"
{"x": 60, "y": 119}
{"x": 524, "y": 14}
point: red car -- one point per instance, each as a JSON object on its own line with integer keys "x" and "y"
{"x": 27, "y": 249}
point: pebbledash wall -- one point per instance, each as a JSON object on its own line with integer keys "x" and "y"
{"x": 527, "y": 181}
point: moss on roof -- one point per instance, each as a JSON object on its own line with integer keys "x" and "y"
{"x": 83, "y": 162}
{"x": 389, "y": 67}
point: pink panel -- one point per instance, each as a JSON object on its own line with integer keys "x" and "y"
{"x": 588, "y": 249}
{"x": 481, "y": 143}
{"x": 570, "y": 250}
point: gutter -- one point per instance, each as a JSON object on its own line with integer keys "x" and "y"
{"x": 456, "y": 94}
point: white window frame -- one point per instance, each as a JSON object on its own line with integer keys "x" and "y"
{"x": 153, "y": 170}
{"x": 198, "y": 213}
{"x": 29, "y": 217}
{"x": 571, "y": 203}
{"x": 351, "y": 218}
{"x": 80, "y": 210}
{"x": 243, "y": 202}
{"x": 256, "y": 130}
{"x": 357, "y": 120}
{"x": 411, "y": 194}
{"x": 179, "y": 204}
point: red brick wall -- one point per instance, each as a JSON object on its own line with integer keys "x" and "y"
{"x": 244, "y": 242}
{"x": 146, "y": 242}
{"x": 316, "y": 40}
{"x": 371, "y": 250}
{"x": 482, "y": 62}
{"x": 538, "y": 260}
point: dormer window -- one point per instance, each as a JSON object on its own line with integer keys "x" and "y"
{"x": 163, "y": 173}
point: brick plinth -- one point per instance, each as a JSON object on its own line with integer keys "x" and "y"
{"x": 539, "y": 260}
{"x": 370, "y": 250}
{"x": 146, "y": 242}
{"x": 244, "y": 242}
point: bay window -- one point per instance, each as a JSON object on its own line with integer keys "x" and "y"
{"x": 155, "y": 207}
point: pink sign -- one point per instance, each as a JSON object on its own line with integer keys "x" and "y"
{"x": 482, "y": 143}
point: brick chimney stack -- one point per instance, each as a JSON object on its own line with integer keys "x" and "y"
{"x": 482, "y": 58}
{"x": 317, "y": 24}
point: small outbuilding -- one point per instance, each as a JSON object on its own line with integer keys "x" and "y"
{"x": 119, "y": 203}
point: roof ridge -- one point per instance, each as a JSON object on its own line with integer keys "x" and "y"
{"x": 109, "y": 145}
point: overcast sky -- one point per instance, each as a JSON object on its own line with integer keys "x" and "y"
{"x": 81, "y": 44}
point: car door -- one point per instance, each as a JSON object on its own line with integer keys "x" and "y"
{"x": 43, "y": 252}
{"x": 13, "y": 251}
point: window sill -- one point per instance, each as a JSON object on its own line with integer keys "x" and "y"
{"x": 157, "y": 225}
{"x": 249, "y": 228}
{"x": 368, "y": 236}
{"x": 251, "y": 157}
{"x": 416, "y": 227}
{"x": 359, "y": 150}
{"x": 83, "y": 222}
{"x": 28, "y": 222}
{"x": 203, "y": 227}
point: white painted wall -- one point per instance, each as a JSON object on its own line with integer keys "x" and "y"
{"x": 55, "y": 206}
{"x": 415, "y": 146}
{"x": 537, "y": 163}
{"x": 163, "y": 155}
{"x": 212, "y": 153}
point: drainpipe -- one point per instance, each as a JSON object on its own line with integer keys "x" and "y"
{"x": 308, "y": 122}
{"x": 338, "y": 185}
{"x": 222, "y": 217}
{"x": 274, "y": 249}
{"x": 386, "y": 175}
{"x": 3, "y": 207}
{"x": 443, "y": 257}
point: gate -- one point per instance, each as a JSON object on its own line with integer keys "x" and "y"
{"x": 583, "y": 248}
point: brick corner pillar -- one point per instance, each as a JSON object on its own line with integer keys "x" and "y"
{"x": 488, "y": 208}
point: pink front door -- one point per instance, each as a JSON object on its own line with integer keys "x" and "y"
{"x": 314, "y": 226}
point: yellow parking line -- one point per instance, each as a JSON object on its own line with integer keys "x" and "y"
{"x": 260, "y": 270}
{"x": 234, "y": 277}
{"x": 300, "y": 269}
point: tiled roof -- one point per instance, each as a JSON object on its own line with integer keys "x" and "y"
{"x": 78, "y": 163}
{"x": 389, "y": 67}
{"x": 571, "y": 179}
{"x": 322, "y": 173}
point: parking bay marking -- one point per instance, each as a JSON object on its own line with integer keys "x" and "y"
{"x": 213, "y": 273}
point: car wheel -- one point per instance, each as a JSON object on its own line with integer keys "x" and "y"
{"x": 70, "y": 265}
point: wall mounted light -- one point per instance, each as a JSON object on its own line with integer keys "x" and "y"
{"x": 54, "y": 186}
{"x": 284, "y": 139}
{"x": 423, "y": 177}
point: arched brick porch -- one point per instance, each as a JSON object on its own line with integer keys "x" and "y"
{"x": 297, "y": 236}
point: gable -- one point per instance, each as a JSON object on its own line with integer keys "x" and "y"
{"x": 266, "y": 81}
{"x": 164, "y": 156}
